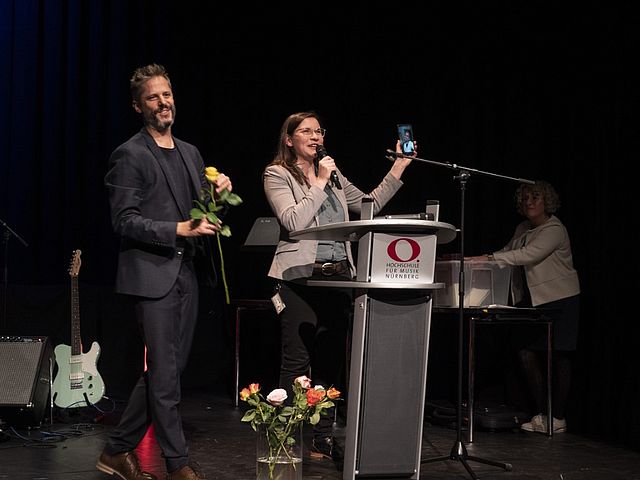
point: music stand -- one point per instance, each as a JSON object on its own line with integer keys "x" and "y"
{"x": 459, "y": 451}
{"x": 262, "y": 239}
{"x": 265, "y": 232}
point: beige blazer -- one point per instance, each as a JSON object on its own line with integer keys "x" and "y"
{"x": 545, "y": 253}
{"x": 296, "y": 207}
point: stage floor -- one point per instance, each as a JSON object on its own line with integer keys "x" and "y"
{"x": 68, "y": 448}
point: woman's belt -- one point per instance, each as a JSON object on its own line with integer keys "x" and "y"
{"x": 331, "y": 268}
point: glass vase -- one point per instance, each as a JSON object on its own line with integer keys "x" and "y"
{"x": 279, "y": 454}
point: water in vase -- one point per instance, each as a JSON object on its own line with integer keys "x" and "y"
{"x": 283, "y": 469}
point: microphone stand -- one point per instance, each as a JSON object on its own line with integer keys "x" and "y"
{"x": 459, "y": 450}
{"x": 5, "y": 276}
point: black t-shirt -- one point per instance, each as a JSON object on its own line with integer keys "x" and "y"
{"x": 185, "y": 194}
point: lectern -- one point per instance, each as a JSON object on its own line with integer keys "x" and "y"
{"x": 390, "y": 340}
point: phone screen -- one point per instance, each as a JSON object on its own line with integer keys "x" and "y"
{"x": 405, "y": 134}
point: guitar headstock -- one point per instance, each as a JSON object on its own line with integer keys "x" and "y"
{"x": 74, "y": 265}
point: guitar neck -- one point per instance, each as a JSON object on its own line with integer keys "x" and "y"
{"x": 76, "y": 339}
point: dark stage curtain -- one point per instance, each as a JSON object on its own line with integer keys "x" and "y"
{"x": 533, "y": 91}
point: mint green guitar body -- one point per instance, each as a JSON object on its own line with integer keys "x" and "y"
{"x": 77, "y": 382}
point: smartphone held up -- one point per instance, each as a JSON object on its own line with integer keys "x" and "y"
{"x": 405, "y": 135}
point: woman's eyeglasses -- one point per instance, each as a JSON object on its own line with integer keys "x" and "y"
{"x": 307, "y": 132}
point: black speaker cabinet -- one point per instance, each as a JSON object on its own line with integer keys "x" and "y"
{"x": 26, "y": 364}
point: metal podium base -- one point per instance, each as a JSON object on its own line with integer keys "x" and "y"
{"x": 387, "y": 384}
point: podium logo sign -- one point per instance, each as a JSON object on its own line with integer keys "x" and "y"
{"x": 403, "y": 258}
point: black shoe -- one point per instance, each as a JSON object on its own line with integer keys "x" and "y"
{"x": 327, "y": 447}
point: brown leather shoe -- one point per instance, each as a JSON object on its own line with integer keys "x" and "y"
{"x": 185, "y": 473}
{"x": 124, "y": 465}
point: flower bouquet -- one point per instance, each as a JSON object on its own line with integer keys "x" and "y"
{"x": 210, "y": 211}
{"x": 279, "y": 424}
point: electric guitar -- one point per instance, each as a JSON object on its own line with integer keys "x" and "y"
{"x": 77, "y": 382}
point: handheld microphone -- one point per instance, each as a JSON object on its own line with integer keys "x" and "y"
{"x": 321, "y": 152}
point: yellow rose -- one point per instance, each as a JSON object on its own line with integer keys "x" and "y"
{"x": 208, "y": 205}
{"x": 211, "y": 173}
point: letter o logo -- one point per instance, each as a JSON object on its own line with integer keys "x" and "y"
{"x": 392, "y": 249}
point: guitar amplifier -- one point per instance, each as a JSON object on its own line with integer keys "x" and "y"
{"x": 25, "y": 379}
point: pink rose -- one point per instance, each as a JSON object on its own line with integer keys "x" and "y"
{"x": 277, "y": 397}
{"x": 304, "y": 381}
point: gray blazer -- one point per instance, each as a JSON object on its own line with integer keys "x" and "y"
{"x": 545, "y": 254}
{"x": 296, "y": 207}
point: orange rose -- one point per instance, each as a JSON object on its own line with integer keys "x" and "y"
{"x": 254, "y": 388}
{"x": 244, "y": 394}
{"x": 314, "y": 396}
{"x": 332, "y": 393}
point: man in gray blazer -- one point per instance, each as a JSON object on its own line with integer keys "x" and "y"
{"x": 152, "y": 181}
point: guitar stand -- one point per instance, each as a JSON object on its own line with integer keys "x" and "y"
{"x": 51, "y": 391}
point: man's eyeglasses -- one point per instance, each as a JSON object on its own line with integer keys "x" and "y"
{"x": 307, "y": 132}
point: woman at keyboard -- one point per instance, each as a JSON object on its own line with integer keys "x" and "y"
{"x": 543, "y": 276}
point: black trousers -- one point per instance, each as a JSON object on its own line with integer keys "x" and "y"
{"x": 167, "y": 326}
{"x": 314, "y": 337}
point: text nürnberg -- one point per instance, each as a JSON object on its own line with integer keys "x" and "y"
{"x": 402, "y": 270}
